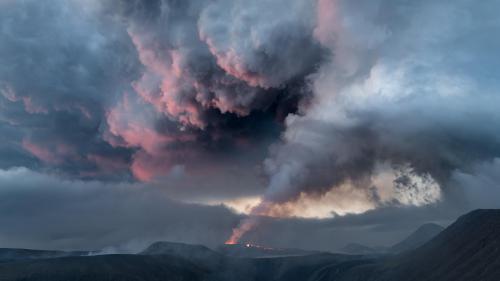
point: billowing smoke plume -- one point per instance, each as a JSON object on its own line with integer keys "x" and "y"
{"x": 207, "y": 57}
{"x": 399, "y": 90}
{"x": 388, "y": 97}
{"x": 208, "y": 61}
{"x": 402, "y": 90}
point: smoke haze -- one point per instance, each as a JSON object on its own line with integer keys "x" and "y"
{"x": 298, "y": 110}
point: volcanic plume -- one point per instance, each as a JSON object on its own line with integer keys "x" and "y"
{"x": 388, "y": 100}
{"x": 244, "y": 226}
{"x": 397, "y": 126}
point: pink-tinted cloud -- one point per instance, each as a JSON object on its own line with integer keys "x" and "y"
{"x": 108, "y": 164}
{"x": 326, "y": 22}
{"x": 131, "y": 124}
{"x": 165, "y": 84}
{"x": 29, "y": 105}
{"x": 262, "y": 45}
{"x": 53, "y": 153}
{"x": 41, "y": 153}
{"x": 146, "y": 167}
{"x": 196, "y": 69}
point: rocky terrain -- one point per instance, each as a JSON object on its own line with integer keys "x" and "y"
{"x": 468, "y": 249}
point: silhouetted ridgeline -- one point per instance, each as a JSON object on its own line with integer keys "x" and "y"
{"x": 469, "y": 249}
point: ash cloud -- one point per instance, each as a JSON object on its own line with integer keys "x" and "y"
{"x": 58, "y": 71}
{"x": 257, "y": 43}
{"x": 403, "y": 88}
{"x": 398, "y": 98}
{"x": 213, "y": 69}
{"x": 45, "y": 212}
{"x": 133, "y": 90}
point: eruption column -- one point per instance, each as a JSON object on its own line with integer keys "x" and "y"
{"x": 244, "y": 226}
{"x": 250, "y": 222}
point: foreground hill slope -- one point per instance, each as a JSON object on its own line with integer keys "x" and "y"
{"x": 467, "y": 250}
{"x": 167, "y": 268}
{"x": 358, "y": 249}
{"x": 107, "y": 267}
{"x": 255, "y": 251}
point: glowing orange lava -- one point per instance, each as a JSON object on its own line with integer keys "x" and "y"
{"x": 246, "y": 225}
{"x": 264, "y": 208}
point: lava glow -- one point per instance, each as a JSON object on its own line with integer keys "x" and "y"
{"x": 239, "y": 231}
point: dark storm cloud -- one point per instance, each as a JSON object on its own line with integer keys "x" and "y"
{"x": 58, "y": 71}
{"x": 403, "y": 88}
{"x": 132, "y": 86}
{"x": 221, "y": 80}
{"x": 478, "y": 188}
{"x": 397, "y": 93}
{"x": 397, "y": 98}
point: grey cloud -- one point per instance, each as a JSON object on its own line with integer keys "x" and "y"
{"x": 415, "y": 103}
{"x": 190, "y": 73}
{"x": 381, "y": 227}
{"x": 65, "y": 80}
{"x": 60, "y": 83}
{"x": 58, "y": 72}
{"x": 260, "y": 44}
{"x": 146, "y": 89}
{"x": 193, "y": 93}
{"x": 478, "y": 187}
{"x": 42, "y": 211}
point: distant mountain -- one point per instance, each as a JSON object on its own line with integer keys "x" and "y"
{"x": 423, "y": 234}
{"x": 357, "y": 249}
{"x": 416, "y": 239}
{"x": 467, "y": 250}
{"x": 255, "y": 251}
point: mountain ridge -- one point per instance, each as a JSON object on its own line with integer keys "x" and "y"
{"x": 417, "y": 238}
{"x": 467, "y": 250}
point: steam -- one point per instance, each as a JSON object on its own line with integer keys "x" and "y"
{"x": 392, "y": 98}
{"x": 246, "y": 225}
{"x": 221, "y": 55}
{"x": 206, "y": 63}
{"x": 395, "y": 93}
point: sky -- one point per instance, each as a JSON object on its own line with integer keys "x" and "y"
{"x": 288, "y": 123}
